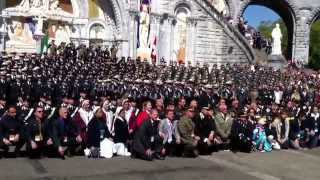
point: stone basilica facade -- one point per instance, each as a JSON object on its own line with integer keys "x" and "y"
{"x": 178, "y": 30}
{"x": 175, "y": 30}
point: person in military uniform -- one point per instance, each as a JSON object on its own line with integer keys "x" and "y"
{"x": 205, "y": 129}
{"x": 52, "y": 48}
{"x": 186, "y": 129}
{"x": 241, "y": 134}
{"x": 223, "y": 122}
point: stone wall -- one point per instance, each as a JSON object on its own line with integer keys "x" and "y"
{"x": 213, "y": 45}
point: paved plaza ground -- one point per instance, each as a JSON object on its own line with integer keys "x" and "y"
{"x": 286, "y": 164}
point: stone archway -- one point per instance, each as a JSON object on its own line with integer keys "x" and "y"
{"x": 313, "y": 41}
{"x": 285, "y": 9}
{"x": 97, "y": 34}
{"x": 315, "y": 15}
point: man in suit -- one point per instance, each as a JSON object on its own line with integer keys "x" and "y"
{"x": 64, "y": 133}
{"x": 168, "y": 130}
{"x": 36, "y": 133}
{"x": 147, "y": 143}
{"x": 312, "y": 127}
{"x": 11, "y": 131}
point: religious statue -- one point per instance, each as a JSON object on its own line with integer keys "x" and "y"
{"x": 54, "y": 4}
{"x": 180, "y": 37}
{"x": 20, "y": 33}
{"x": 220, "y": 6}
{"x": 62, "y": 34}
{"x": 144, "y": 25}
{"x": 276, "y": 37}
{"x": 39, "y": 25}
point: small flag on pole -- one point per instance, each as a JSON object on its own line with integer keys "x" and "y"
{"x": 154, "y": 51}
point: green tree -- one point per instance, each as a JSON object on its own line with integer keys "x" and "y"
{"x": 314, "y": 51}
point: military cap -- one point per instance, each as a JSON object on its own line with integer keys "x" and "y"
{"x": 206, "y": 106}
{"x": 146, "y": 81}
{"x": 36, "y": 68}
{"x": 208, "y": 86}
{"x": 5, "y": 63}
{"x": 3, "y": 73}
{"x": 159, "y": 82}
{"x": 229, "y": 82}
{"x": 138, "y": 81}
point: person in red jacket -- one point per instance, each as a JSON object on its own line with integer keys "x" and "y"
{"x": 145, "y": 114}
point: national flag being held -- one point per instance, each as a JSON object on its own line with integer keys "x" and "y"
{"x": 154, "y": 51}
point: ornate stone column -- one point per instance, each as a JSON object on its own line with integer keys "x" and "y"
{"x": 190, "y": 48}
{"x": 165, "y": 38}
{"x": 155, "y": 32}
{"x": 173, "y": 23}
{"x": 2, "y": 5}
{"x": 158, "y": 37}
{"x": 302, "y": 37}
{"x": 3, "y": 33}
{"x": 133, "y": 33}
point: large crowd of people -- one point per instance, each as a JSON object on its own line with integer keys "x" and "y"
{"x": 84, "y": 101}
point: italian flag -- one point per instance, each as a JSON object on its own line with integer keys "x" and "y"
{"x": 44, "y": 44}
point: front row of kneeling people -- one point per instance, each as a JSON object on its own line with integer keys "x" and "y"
{"x": 145, "y": 136}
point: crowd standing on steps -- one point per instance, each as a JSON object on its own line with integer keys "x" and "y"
{"x": 85, "y": 101}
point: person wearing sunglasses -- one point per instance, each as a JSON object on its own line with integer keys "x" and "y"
{"x": 36, "y": 133}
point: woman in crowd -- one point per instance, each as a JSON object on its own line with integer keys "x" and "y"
{"x": 97, "y": 132}
{"x": 259, "y": 138}
{"x": 121, "y": 134}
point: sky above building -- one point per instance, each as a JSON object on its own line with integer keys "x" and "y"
{"x": 256, "y": 14}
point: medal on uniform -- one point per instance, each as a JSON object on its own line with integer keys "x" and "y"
{"x": 38, "y": 138}
{"x": 102, "y": 134}
{"x": 152, "y": 139}
{"x": 11, "y": 137}
{"x": 65, "y": 139}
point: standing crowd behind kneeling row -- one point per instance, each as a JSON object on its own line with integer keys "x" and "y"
{"x": 154, "y": 130}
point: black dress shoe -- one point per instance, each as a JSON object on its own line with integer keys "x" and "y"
{"x": 159, "y": 157}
